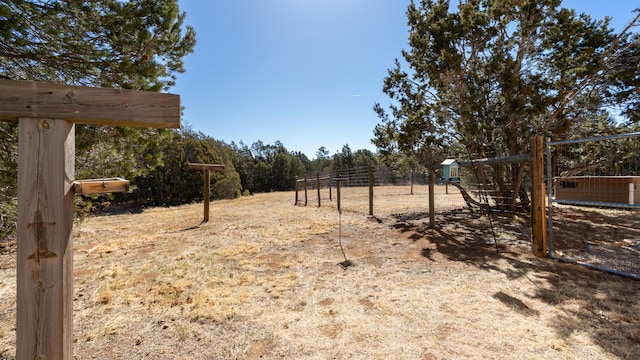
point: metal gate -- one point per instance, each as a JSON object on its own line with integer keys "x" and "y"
{"x": 593, "y": 194}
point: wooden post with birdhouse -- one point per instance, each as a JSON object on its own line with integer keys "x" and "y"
{"x": 206, "y": 187}
{"x": 46, "y": 115}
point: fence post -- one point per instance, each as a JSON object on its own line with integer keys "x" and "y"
{"x": 549, "y": 189}
{"x": 411, "y": 179}
{"x": 432, "y": 192}
{"x": 306, "y": 198}
{"x": 318, "y": 187}
{"x": 296, "y": 201}
{"x": 338, "y": 194}
{"x": 370, "y": 190}
{"x": 206, "y": 189}
{"x": 538, "y": 215}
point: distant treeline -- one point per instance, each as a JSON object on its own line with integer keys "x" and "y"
{"x": 248, "y": 169}
{"x": 168, "y": 181}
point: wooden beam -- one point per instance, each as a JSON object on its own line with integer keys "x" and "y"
{"x": 202, "y": 167}
{"x": 86, "y": 105}
{"x": 45, "y": 251}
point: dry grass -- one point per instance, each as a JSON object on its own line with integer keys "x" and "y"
{"x": 262, "y": 280}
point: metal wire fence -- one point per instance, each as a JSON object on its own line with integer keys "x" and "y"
{"x": 594, "y": 202}
{"x": 379, "y": 191}
{"x": 387, "y": 192}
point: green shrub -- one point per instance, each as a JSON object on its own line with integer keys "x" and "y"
{"x": 8, "y": 208}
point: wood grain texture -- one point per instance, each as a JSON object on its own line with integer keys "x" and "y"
{"x": 86, "y": 105}
{"x": 100, "y": 186}
{"x": 538, "y": 208}
{"x": 44, "y": 254}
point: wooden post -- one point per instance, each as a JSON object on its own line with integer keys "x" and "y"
{"x": 46, "y": 114}
{"x": 45, "y": 252}
{"x": 318, "y": 187}
{"x": 206, "y": 186}
{"x": 338, "y": 194}
{"x": 432, "y": 197}
{"x": 411, "y": 179}
{"x": 339, "y": 181}
{"x": 206, "y": 190}
{"x": 296, "y": 199}
{"x": 538, "y": 209}
{"x": 306, "y": 196}
{"x": 371, "y": 180}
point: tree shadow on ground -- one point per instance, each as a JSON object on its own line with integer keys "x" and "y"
{"x": 607, "y": 306}
{"x": 605, "y": 238}
{"x": 463, "y": 237}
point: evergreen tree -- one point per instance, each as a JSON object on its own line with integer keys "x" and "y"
{"x": 135, "y": 44}
{"x": 490, "y": 75}
{"x": 173, "y": 183}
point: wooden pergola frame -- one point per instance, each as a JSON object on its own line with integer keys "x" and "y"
{"x": 47, "y": 114}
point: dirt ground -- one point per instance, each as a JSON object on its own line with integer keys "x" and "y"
{"x": 263, "y": 280}
{"x": 603, "y": 237}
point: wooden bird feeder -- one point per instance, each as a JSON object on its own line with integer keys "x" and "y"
{"x": 100, "y": 186}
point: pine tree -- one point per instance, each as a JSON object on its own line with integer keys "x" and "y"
{"x": 136, "y": 44}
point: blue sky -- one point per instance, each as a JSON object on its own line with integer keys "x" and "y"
{"x": 303, "y": 72}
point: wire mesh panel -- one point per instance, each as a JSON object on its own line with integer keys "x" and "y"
{"x": 354, "y": 189}
{"x": 399, "y": 191}
{"x": 393, "y": 191}
{"x": 594, "y": 193}
{"x": 313, "y": 190}
{"x": 483, "y": 192}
